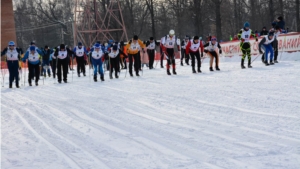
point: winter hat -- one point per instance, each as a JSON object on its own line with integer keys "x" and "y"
{"x": 32, "y": 43}
{"x": 46, "y": 47}
{"x": 32, "y": 48}
{"x": 62, "y": 46}
{"x": 264, "y": 27}
{"x": 280, "y": 18}
{"x": 151, "y": 38}
{"x": 97, "y": 46}
{"x": 196, "y": 37}
{"x": 79, "y": 44}
{"x": 271, "y": 33}
{"x": 122, "y": 43}
{"x": 172, "y": 32}
{"x": 135, "y": 37}
{"x": 115, "y": 47}
{"x": 11, "y": 43}
{"x": 246, "y": 24}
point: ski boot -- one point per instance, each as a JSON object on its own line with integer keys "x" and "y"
{"x": 137, "y": 73}
{"x": 84, "y": 74}
{"x": 217, "y": 68}
{"x": 174, "y": 72}
{"x": 110, "y": 76}
{"x": 78, "y": 74}
{"x": 29, "y": 82}
{"x": 266, "y": 63}
{"x": 194, "y": 71}
{"x": 168, "y": 72}
{"x": 276, "y": 61}
{"x": 102, "y": 78}
{"x": 131, "y": 74}
{"x": 10, "y": 85}
{"x": 199, "y": 71}
{"x": 211, "y": 69}
{"x": 65, "y": 81}
{"x": 242, "y": 64}
{"x": 36, "y": 83}
{"x": 95, "y": 78}
{"x": 271, "y": 62}
{"x": 181, "y": 63}
{"x": 17, "y": 85}
{"x": 116, "y": 75}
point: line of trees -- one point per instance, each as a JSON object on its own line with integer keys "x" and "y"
{"x": 51, "y": 20}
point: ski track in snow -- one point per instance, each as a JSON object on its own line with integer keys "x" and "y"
{"x": 232, "y": 119}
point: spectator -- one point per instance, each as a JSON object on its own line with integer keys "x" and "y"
{"x": 235, "y": 37}
{"x": 264, "y": 31}
{"x": 280, "y": 22}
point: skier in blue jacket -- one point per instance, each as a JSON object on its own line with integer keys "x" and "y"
{"x": 33, "y": 64}
{"x": 12, "y": 59}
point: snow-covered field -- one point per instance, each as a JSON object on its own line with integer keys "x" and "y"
{"x": 232, "y": 119}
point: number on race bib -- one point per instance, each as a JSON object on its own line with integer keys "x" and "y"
{"x": 170, "y": 43}
{"x": 11, "y": 55}
{"x": 246, "y": 36}
{"x": 33, "y": 58}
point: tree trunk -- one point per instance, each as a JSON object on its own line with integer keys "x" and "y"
{"x": 271, "y": 10}
{"x": 298, "y": 14}
{"x": 150, "y": 7}
{"x": 281, "y": 8}
{"x": 218, "y": 19}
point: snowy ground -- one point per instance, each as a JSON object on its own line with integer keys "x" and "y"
{"x": 233, "y": 119}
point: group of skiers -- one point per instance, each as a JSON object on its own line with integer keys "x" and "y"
{"x": 114, "y": 55}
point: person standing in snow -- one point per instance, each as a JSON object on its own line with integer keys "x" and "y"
{"x": 114, "y": 59}
{"x": 183, "y": 51}
{"x": 266, "y": 43}
{"x": 210, "y": 49}
{"x": 80, "y": 51}
{"x": 62, "y": 54}
{"x": 244, "y": 35}
{"x": 13, "y": 56}
{"x": 161, "y": 53}
{"x": 168, "y": 43}
{"x": 46, "y": 60}
{"x": 133, "y": 49}
{"x": 33, "y": 64}
{"x": 193, "y": 49}
{"x": 97, "y": 57}
{"x": 151, "y": 45}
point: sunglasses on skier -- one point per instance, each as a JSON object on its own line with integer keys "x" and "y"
{"x": 11, "y": 45}
{"x": 213, "y": 39}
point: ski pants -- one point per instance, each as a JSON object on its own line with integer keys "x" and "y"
{"x": 246, "y": 50}
{"x": 170, "y": 55}
{"x": 161, "y": 57}
{"x": 184, "y": 55}
{"x": 114, "y": 65}
{"x": 34, "y": 71}
{"x": 268, "y": 49}
{"x": 137, "y": 62}
{"x": 194, "y": 56}
{"x": 13, "y": 68}
{"x": 98, "y": 68}
{"x": 46, "y": 66}
{"x": 80, "y": 64}
{"x": 151, "y": 54}
{"x": 62, "y": 64}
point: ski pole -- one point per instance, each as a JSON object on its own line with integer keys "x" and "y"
{"x": 255, "y": 58}
{"x": 72, "y": 68}
{"x": 24, "y": 72}
{"x": 282, "y": 49}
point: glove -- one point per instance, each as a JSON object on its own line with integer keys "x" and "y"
{"x": 260, "y": 52}
{"x": 202, "y": 55}
{"x": 220, "y": 51}
{"x": 243, "y": 40}
{"x": 205, "y": 50}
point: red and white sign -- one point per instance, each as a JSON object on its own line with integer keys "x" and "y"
{"x": 286, "y": 43}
